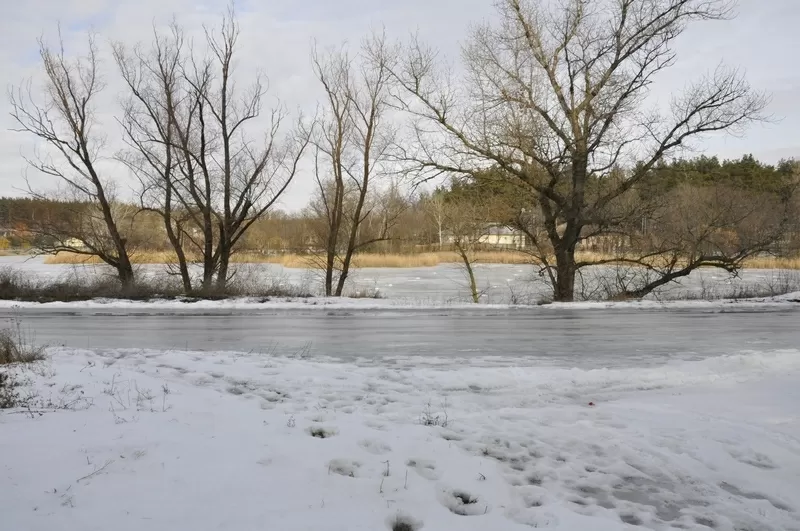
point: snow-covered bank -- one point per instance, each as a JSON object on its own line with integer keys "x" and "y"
{"x": 183, "y": 440}
{"x": 338, "y": 303}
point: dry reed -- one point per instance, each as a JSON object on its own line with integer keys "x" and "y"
{"x": 428, "y": 259}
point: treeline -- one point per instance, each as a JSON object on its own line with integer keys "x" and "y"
{"x": 543, "y": 140}
{"x": 409, "y": 228}
{"x": 429, "y": 220}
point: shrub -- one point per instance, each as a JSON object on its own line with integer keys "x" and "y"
{"x": 15, "y": 348}
{"x": 15, "y": 286}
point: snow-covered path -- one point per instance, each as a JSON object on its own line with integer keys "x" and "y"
{"x": 206, "y": 441}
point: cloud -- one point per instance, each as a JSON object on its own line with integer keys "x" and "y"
{"x": 277, "y": 35}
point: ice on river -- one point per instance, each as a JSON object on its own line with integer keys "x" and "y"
{"x": 443, "y": 284}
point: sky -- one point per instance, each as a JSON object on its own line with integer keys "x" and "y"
{"x": 277, "y": 36}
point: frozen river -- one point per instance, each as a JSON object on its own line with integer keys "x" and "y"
{"x": 445, "y": 283}
{"x": 542, "y": 335}
{"x": 580, "y": 338}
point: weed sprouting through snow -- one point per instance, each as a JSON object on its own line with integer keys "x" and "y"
{"x": 431, "y": 418}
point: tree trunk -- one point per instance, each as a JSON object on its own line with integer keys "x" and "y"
{"x": 566, "y": 268}
{"x": 183, "y": 267}
{"x": 333, "y": 240}
{"x": 352, "y": 241}
{"x": 564, "y": 289}
{"x": 208, "y": 278}
{"x": 124, "y": 267}
{"x": 663, "y": 280}
{"x": 175, "y": 241}
{"x": 473, "y": 284}
{"x": 186, "y": 279}
{"x": 343, "y": 273}
{"x": 330, "y": 261}
{"x": 224, "y": 261}
{"x": 209, "y": 261}
{"x": 125, "y": 271}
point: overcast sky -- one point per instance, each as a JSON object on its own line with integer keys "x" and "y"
{"x": 276, "y": 37}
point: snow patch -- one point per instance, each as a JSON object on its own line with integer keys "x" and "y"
{"x": 159, "y": 440}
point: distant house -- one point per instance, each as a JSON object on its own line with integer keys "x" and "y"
{"x": 502, "y": 236}
{"x": 75, "y": 243}
{"x": 497, "y": 235}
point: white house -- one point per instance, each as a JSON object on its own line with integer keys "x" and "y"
{"x": 497, "y": 235}
{"x": 502, "y": 236}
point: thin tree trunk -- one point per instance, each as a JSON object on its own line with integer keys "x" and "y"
{"x": 330, "y": 261}
{"x": 174, "y": 239}
{"x": 124, "y": 267}
{"x": 333, "y": 237}
{"x": 208, "y": 251}
{"x": 351, "y": 244}
{"x": 473, "y": 284}
{"x": 183, "y": 267}
{"x": 224, "y": 261}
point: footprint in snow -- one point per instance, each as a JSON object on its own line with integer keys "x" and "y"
{"x": 375, "y": 446}
{"x": 375, "y": 425}
{"x": 462, "y": 503}
{"x": 736, "y": 491}
{"x": 403, "y": 522}
{"x": 322, "y": 432}
{"x": 752, "y": 458}
{"x": 344, "y": 467}
{"x": 425, "y": 468}
{"x": 532, "y": 517}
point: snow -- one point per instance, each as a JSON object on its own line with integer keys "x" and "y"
{"x": 164, "y": 440}
{"x": 338, "y": 303}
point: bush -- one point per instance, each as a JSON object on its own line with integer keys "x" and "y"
{"x": 15, "y": 349}
{"x": 15, "y": 286}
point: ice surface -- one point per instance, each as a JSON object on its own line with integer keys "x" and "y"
{"x": 430, "y": 286}
{"x": 544, "y": 336}
{"x": 165, "y": 440}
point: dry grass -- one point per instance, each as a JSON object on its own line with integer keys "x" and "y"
{"x": 147, "y": 257}
{"x": 403, "y": 260}
{"x": 309, "y": 261}
{"x": 389, "y": 260}
{"x": 15, "y": 349}
{"x": 766, "y": 262}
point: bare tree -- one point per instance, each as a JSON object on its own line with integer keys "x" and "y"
{"x": 351, "y": 142}
{"x": 554, "y": 96}
{"x": 63, "y": 117}
{"x": 192, "y": 133}
{"x": 435, "y": 209}
{"x": 717, "y": 225}
{"x": 158, "y": 95}
{"x": 466, "y": 221}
